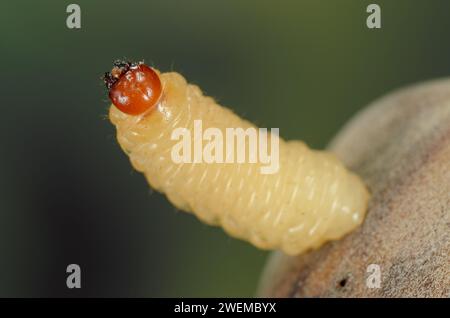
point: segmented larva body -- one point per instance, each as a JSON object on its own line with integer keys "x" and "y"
{"x": 310, "y": 200}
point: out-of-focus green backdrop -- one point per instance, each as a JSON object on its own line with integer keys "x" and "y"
{"x": 69, "y": 195}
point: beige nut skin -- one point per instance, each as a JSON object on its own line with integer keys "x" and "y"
{"x": 400, "y": 145}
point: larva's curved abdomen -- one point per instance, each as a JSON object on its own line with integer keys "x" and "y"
{"x": 311, "y": 199}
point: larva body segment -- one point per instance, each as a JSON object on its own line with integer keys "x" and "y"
{"x": 310, "y": 200}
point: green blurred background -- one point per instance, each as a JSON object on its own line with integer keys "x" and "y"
{"x": 69, "y": 195}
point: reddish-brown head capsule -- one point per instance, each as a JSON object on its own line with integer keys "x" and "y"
{"x": 133, "y": 88}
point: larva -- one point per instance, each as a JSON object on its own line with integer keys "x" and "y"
{"x": 311, "y": 199}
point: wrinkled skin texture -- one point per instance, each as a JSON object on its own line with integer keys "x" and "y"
{"x": 400, "y": 145}
{"x": 312, "y": 199}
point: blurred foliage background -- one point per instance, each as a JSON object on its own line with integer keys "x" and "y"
{"x": 69, "y": 195}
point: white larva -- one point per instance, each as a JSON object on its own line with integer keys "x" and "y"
{"x": 310, "y": 200}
